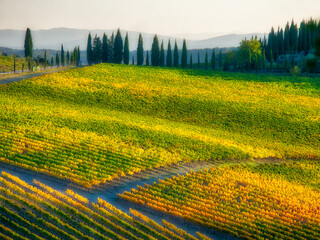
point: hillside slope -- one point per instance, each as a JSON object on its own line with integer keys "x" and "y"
{"x": 100, "y": 122}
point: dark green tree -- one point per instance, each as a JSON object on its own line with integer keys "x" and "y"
{"x": 220, "y": 60}
{"x": 132, "y": 62}
{"x": 271, "y": 61}
{"x": 105, "y": 49}
{"x": 126, "y": 52}
{"x": 45, "y": 59}
{"x": 57, "y": 60}
{"x": 184, "y": 56}
{"x": 14, "y": 63}
{"x": 68, "y": 58}
{"x": 140, "y": 51}
{"x": 62, "y": 56}
{"x": 118, "y": 48}
{"x": 28, "y": 44}
{"x": 199, "y": 63}
{"x": 89, "y": 50}
{"x": 206, "y": 61}
{"x": 147, "y": 59}
{"x": 175, "y": 55}
{"x": 111, "y": 47}
{"x": 169, "y": 55}
{"x": 191, "y": 60}
{"x": 287, "y": 38}
{"x": 213, "y": 59}
{"x": 161, "y": 61}
{"x": 96, "y": 50}
{"x": 52, "y": 62}
{"x": 155, "y": 51}
{"x": 78, "y": 56}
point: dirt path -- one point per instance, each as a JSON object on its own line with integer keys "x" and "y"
{"x": 110, "y": 190}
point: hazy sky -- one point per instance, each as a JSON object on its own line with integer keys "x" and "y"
{"x": 156, "y": 16}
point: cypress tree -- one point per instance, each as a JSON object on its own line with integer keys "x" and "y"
{"x": 264, "y": 59}
{"x": 191, "y": 60}
{"x": 132, "y": 60}
{"x": 62, "y": 56}
{"x": 147, "y": 59}
{"x": 111, "y": 47}
{"x": 287, "y": 38}
{"x": 57, "y": 60}
{"x": 52, "y": 62}
{"x": 96, "y": 50}
{"x": 155, "y": 52}
{"x": 105, "y": 49}
{"x": 28, "y": 45}
{"x": 175, "y": 55}
{"x": 206, "y": 61}
{"x": 292, "y": 58}
{"x": 271, "y": 61}
{"x": 126, "y": 52}
{"x": 14, "y": 63}
{"x": 45, "y": 59}
{"x": 89, "y": 50}
{"x": 68, "y": 58}
{"x": 78, "y": 56}
{"x": 140, "y": 51}
{"x": 161, "y": 61}
{"x": 184, "y": 56}
{"x": 220, "y": 59}
{"x": 213, "y": 59}
{"x": 199, "y": 60}
{"x": 169, "y": 55}
{"x": 118, "y": 48}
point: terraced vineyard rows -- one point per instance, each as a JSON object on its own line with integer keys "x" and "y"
{"x": 93, "y": 124}
{"x": 40, "y": 212}
{"x": 241, "y": 200}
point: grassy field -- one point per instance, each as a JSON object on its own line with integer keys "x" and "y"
{"x": 96, "y": 123}
{"x": 251, "y": 202}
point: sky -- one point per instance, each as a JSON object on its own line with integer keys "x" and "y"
{"x": 165, "y": 17}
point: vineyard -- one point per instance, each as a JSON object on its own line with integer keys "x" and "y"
{"x": 7, "y": 63}
{"x": 251, "y": 202}
{"x": 40, "y": 212}
{"x": 95, "y": 124}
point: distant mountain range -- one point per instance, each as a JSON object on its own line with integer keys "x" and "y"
{"x": 69, "y": 37}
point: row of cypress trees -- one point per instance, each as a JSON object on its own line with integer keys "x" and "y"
{"x": 292, "y": 39}
{"x": 113, "y": 50}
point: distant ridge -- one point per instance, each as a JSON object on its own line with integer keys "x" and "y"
{"x": 70, "y": 37}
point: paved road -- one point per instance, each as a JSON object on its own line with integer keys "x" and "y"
{"x": 11, "y": 79}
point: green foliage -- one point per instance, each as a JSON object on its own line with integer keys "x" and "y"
{"x": 57, "y": 60}
{"x": 89, "y": 50}
{"x": 118, "y": 48}
{"x": 147, "y": 59}
{"x": 169, "y": 55}
{"x": 28, "y": 44}
{"x": 155, "y": 52}
{"x": 184, "y": 56}
{"x": 126, "y": 52}
{"x": 105, "y": 49}
{"x": 250, "y": 52}
{"x": 161, "y": 60}
{"x": 213, "y": 59}
{"x": 62, "y": 55}
{"x": 175, "y": 55}
{"x": 96, "y": 50}
{"x": 140, "y": 57}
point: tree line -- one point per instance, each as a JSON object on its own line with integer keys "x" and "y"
{"x": 115, "y": 50}
{"x": 61, "y": 59}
